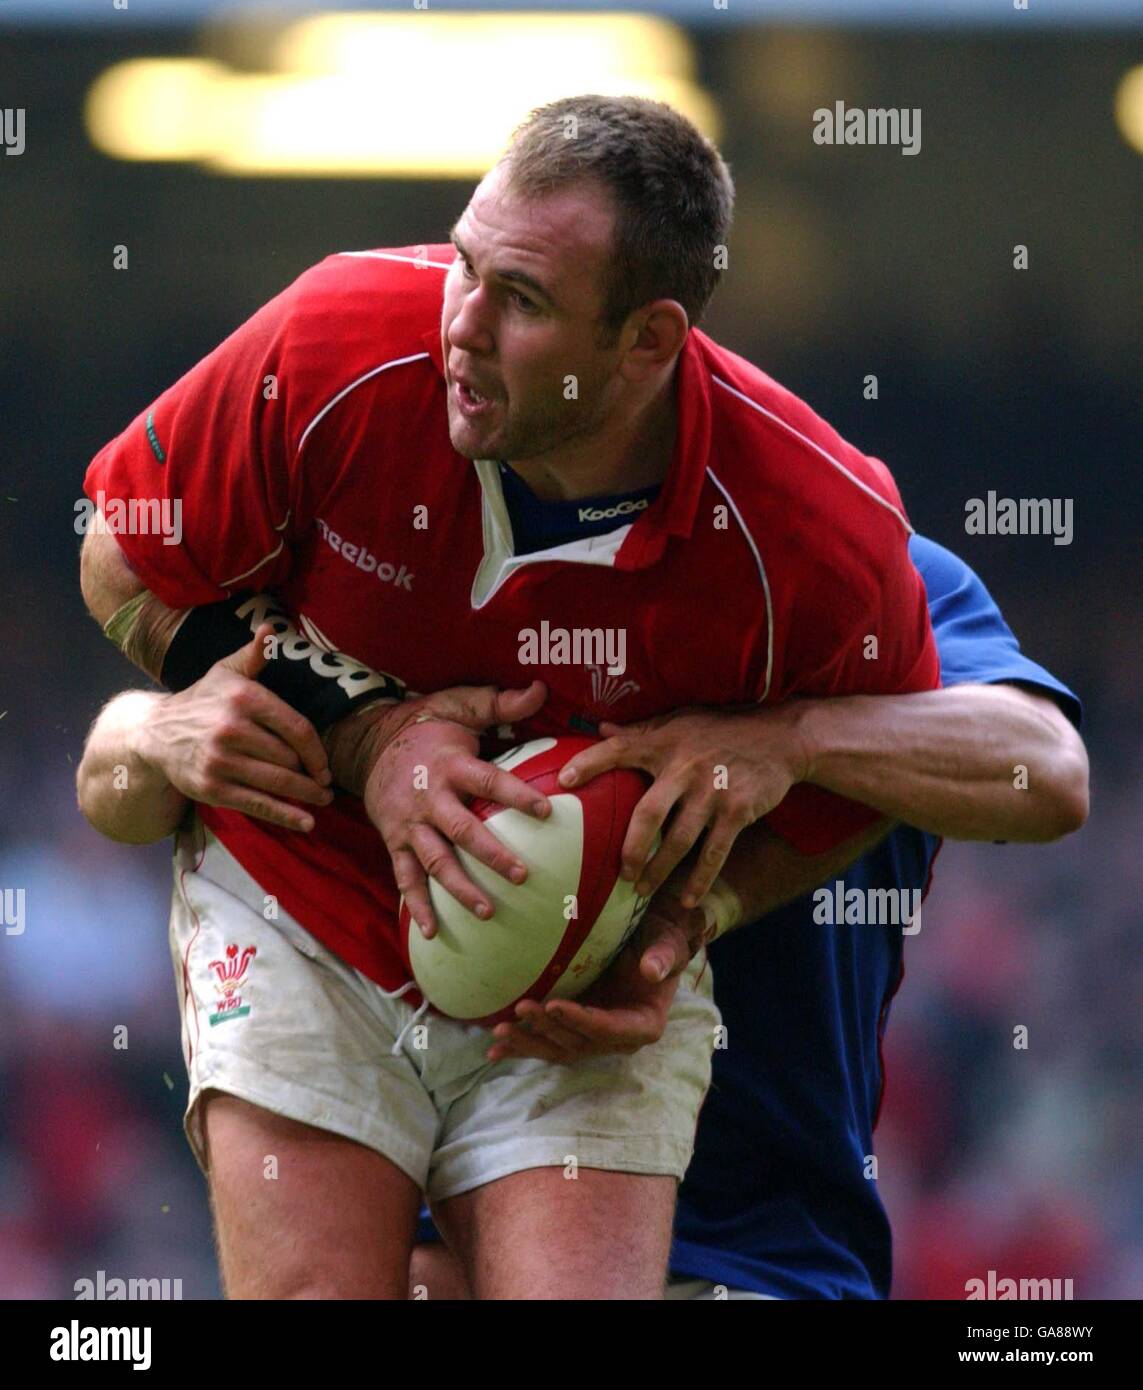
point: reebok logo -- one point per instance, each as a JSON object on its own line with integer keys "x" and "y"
{"x": 363, "y": 559}
{"x": 607, "y": 513}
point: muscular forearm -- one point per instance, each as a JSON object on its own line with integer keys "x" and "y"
{"x": 122, "y": 795}
{"x": 973, "y": 762}
{"x": 951, "y": 762}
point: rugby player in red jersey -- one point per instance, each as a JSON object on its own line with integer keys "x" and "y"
{"x": 353, "y": 448}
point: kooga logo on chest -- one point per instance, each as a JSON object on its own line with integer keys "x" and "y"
{"x": 361, "y": 558}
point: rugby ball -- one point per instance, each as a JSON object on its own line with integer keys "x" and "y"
{"x": 551, "y": 936}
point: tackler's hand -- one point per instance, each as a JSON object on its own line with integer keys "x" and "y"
{"x": 717, "y": 770}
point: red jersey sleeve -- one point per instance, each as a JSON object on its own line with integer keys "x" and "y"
{"x": 857, "y": 623}
{"x": 199, "y": 490}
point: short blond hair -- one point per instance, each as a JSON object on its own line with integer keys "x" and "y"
{"x": 672, "y": 190}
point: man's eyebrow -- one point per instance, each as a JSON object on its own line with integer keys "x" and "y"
{"x": 516, "y": 277}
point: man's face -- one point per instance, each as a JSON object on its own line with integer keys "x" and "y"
{"x": 521, "y": 314}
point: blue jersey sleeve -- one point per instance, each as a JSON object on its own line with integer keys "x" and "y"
{"x": 974, "y": 642}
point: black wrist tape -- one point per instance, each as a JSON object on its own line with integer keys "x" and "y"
{"x": 323, "y": 685}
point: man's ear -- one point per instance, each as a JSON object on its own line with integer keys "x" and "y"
{"x": 661, "y": 333}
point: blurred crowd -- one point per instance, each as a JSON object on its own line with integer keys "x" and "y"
{"x": 1000, "y": 1150}
{"x": 94, "y": 1171}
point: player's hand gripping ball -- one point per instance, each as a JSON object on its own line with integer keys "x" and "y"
{"x": 554, "y": 934}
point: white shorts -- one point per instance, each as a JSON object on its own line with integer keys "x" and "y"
{"x": 273, "y": 1017}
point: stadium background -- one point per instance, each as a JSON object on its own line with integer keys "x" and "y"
{"x": 844, "y": 262}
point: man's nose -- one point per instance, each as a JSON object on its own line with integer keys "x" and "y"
{"x": 471, "y": 327}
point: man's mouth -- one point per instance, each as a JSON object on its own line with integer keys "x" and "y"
{"x": 471, "y": 401}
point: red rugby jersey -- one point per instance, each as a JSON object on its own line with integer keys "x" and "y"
{"x": 300, "y": 449}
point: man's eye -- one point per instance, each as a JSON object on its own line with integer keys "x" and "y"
{"x": 521, "y": 301}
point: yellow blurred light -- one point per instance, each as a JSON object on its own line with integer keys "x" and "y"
{"x": 1129, "y": 108}
{"x": 156, "y": 108}
{"x": 404, "y": 96}
{"x": 486, "y": 47}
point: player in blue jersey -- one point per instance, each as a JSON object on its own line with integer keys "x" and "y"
{"x": 776, "y": 1199}
{"x": 776, "y": 1202}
